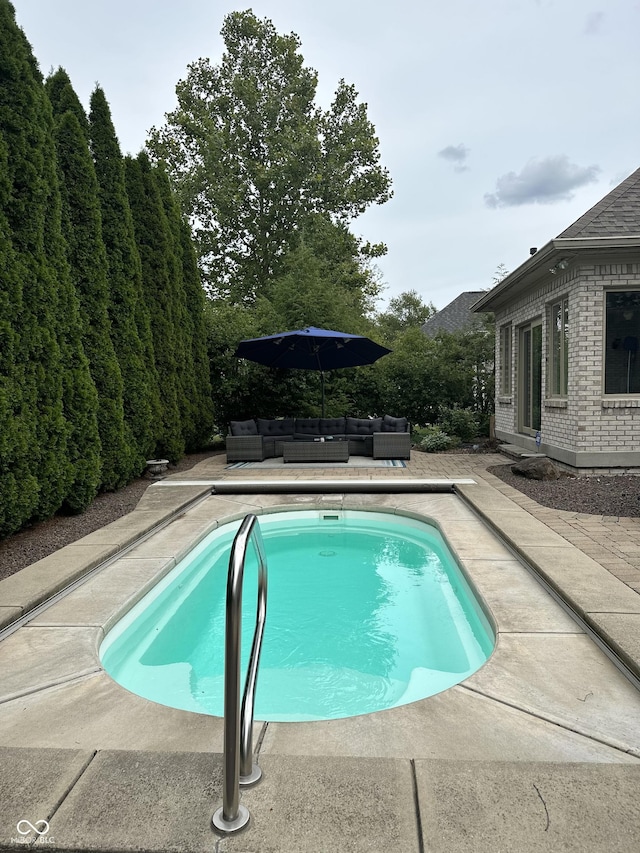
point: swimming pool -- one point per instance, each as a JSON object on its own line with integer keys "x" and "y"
{"x": 367, "y": 610}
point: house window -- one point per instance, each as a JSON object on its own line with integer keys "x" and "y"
{"x": 559, "y": 349}
{"x": 505, "y": 360}
{"x": 530, "y": 377}
{"x": 622, "y": 331}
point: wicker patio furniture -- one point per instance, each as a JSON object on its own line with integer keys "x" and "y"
{"x": 316, "y": 451}
{"x": 391, "y": 445}
{"x": 257, "y": 439}
{"x": 245, "y": 448}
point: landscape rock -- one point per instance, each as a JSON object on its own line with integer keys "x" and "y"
{"x": 538, "y": 468}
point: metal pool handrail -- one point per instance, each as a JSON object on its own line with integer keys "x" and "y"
{"x": 238, "y": 767}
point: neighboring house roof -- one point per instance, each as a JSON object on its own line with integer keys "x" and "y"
{"x": 455, "y": 316}
{"x": 613, "y": 223}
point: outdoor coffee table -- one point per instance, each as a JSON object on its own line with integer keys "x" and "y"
{"x": 315, "y": 451}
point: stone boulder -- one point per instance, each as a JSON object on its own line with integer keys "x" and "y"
{"x": 538, "y": 468}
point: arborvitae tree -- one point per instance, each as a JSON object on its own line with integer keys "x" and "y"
{"x": 196, "y": 408}
{"x": 82, "y": 225}
{"x": 55, "y": 402}
{"x": 79, "y": 395}
{"x": 162, "y": 296}
{"x": 18, "y": 482}
{"x": 195, "y": 302}
{"x": 129, "y": 316}
{"x": 182, "y": 345}
{"x": 36, "y": 404}
{"x": 64, "y": 99}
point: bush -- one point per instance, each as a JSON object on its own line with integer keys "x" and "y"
{"x": 435, "y": 439}
{"x": 462, "y": 423}
{"x": 419, "y": 432}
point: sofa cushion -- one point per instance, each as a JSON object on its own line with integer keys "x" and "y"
{"x": 390, "y": 424}
{"x": 363, "y": 426}
{"x": 275, "y": 426}
{"x": 305, "y": 427}
{"x": 243, "y": 427}
{"x": 332, "y": 426}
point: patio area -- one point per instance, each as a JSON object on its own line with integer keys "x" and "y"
{"x": 538, "y": 750}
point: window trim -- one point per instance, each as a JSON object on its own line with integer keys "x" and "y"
{"x": 506, "y": 359}
{"x": 531, "y": 376}
{"x": 558, "y": 342}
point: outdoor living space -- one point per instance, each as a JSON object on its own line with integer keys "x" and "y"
{"x": 537, "y": 750}
{"x": 303, "y": 439}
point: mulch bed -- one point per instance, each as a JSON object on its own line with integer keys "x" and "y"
{"x": 41, "y": 539}
{"x": 615, "y": 495}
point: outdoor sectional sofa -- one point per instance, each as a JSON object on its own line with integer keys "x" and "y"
{"x": 262, "y": 438}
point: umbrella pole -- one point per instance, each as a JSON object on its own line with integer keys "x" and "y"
{"x": 322, "y": 378}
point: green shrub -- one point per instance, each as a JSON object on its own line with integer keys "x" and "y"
{"x": 435, "y": 439}
{"x": 462, "y": 423}
{"x": 419, "y": 432}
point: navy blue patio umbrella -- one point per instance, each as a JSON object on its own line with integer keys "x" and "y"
{"x": 312, "y": 349}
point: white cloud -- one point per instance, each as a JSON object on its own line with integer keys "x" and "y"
{"x": 456, "y": 154}
{"x": 545, "y": 181}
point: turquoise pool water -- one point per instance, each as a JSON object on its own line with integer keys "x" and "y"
{"x": 366, "y": 610}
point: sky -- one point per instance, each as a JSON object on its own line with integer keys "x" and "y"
{"x": 500, "y": 121}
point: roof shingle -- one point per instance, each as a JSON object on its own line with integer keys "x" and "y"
{"x": 617, "y": 214}
{"x": 455, "y": 316}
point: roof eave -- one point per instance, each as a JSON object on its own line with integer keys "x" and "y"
{"x": 518, "y": 280}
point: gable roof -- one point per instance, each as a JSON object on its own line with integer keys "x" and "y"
{"x": 611, "y": 225}
{"x": 455, "y": 316}
{"x": 616, "y": 214}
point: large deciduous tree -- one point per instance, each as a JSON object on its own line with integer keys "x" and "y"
{"x": 252, "y": 155}
{"x": 323, "y": 281}
{"x": 405, "y": 311}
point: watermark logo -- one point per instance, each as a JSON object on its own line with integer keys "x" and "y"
{"x": 24, "y": 827}
{"x": 41, "y": 829}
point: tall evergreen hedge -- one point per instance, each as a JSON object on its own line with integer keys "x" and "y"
{"x": 130, "y": 323}
{"x": 79, "y": 395}
{"x": 161, "y": 297}
{"x": 103, "y": 359}
{"x": 82, "y": 226}
{"x": 195, "y": 302}
{"x": 196, "y": 407}
{"x": 64, "y": 99}
{"x": 18, "y": 480}
{"x": 35, "y": 348}
{"x": 51, "y": 446}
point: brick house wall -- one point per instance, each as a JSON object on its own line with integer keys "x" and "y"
{"x": 586, "y": 422}
{"x": 598, "y": 253}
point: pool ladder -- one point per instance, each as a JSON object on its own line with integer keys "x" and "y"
{"x": 238, "y": 766}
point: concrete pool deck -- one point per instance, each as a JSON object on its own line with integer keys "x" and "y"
{"x": 538, "y": 750}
